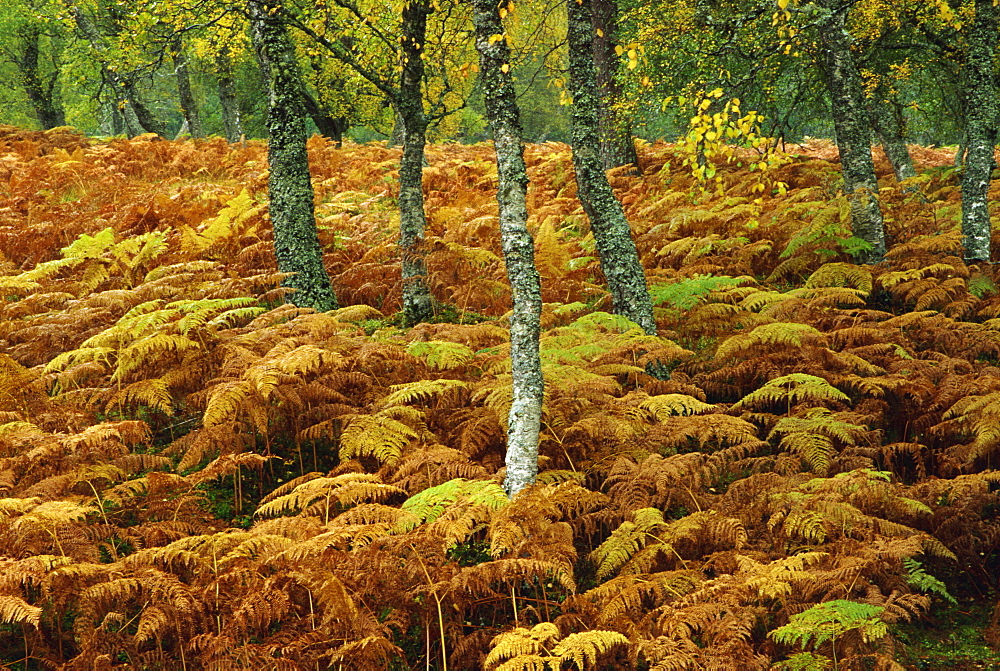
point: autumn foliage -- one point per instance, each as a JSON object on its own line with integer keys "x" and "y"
{"x": 194, "y": 474}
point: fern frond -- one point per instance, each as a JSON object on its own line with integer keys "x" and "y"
{"x": 422, "y": 390}
{"x": 431, "y": 503}
{"x": 342, "y": 490}
{"x": 441, "y": 354}
{"x": 375, "y": 436}
{"x": 15, "y": 610}
{"x": 583, "y": 648}
{"x": 842, "y": 275}
{"x": 792, "y": 389}
{"x": 668, "y": 405}
{"x": 779, "y": 334}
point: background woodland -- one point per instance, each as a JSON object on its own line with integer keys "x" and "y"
{"x": 194, "y": 474}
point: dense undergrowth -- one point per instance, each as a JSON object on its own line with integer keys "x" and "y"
{"x": 194, "y": 475}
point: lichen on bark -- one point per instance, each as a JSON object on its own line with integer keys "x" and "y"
{"x": 524, "y": 420}
{"x": 847, "y": 99}
{"x": 618, "y": 255}
{"x": 290, "y": 192}
{"x": 981, "y": 116}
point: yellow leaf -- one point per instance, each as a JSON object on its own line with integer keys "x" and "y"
{"x": 505, "y": 67}
{"x": 600, "y": 33}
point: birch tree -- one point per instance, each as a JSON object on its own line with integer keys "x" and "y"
{"x": 980, "y": 130}
{"x": 503, "y": 115}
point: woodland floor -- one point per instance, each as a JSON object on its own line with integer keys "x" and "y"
{"x": 196, "y": 475}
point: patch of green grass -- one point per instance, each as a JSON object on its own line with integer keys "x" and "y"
{"x": 951, "y": 638}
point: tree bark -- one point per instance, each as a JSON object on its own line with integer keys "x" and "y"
{"x": 503, "y": 115}
{"x": 888, "y": 122}
{"x": 296, "y": 243}
{"x": 417, "y": 306}
{"x": 617, "y": 144}
{"x": 398, "y": 133}
{"x": 981, "y": 116}
{"x": 124, "y": 93}
{"x": 853, "y": 131}
{"x": 189, "y": 108}
{"x": 328, "y": 126}
{"x": 49, "y": 113}
{"x": 615, "y": 247}
{"x": 232, "y": 120}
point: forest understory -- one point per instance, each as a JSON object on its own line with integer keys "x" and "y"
{"x": 196, "y": 475}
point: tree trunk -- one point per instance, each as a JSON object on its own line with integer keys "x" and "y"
{"x": 149, "y": 122}
{"x": 617, "y": 144}
{"x": 328, "y": 126}
{"x": 417, "y": 305}
{"x": 398, "y": 134}
{"x": 125, "y": 95}
{"x": 619, "y": 258}
{"x": 888, "y": 122}
{"x": 296, "y": 244}
{"x": 981, "y": 115}
{"x": 853, "y": 132}
{"x": 40, "y": 94}
{"x": 189, "y": 108}
{"x": 503, "y": 115}
{"x": 231, "y": 118}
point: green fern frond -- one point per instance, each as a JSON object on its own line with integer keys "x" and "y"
{"x": 90, "y": 246}
{"x": 375, "y": 436}
{"x": 920, "y": 579}
{"x": 441, "y": 354}
{"x": 431, "y": 503}
{"x": 829, "y": 620}
{"x": 689, "y": 292}
{"x": 422, "y": 391}
{"x": 792, "y": 389}
{"x": 816, "y": 449}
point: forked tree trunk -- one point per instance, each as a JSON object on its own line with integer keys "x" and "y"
{"x": 981, "y": 115}
{"x": 417, "y": 305}
{"x": 617, "y": 144}
{"x": 189, "y": 108}
{"x": 619, "y": 258}
{"x": 887, "y": 120}
{"x": 47, "y": 110}
{"x": 328, "y": 126}
{"x": 232, "y": 120}
{"x": 296, "y": 244}
{"x": 852, "y": 128}
{"x": 503, "y": 115}
{"x": 125, "y": 95}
